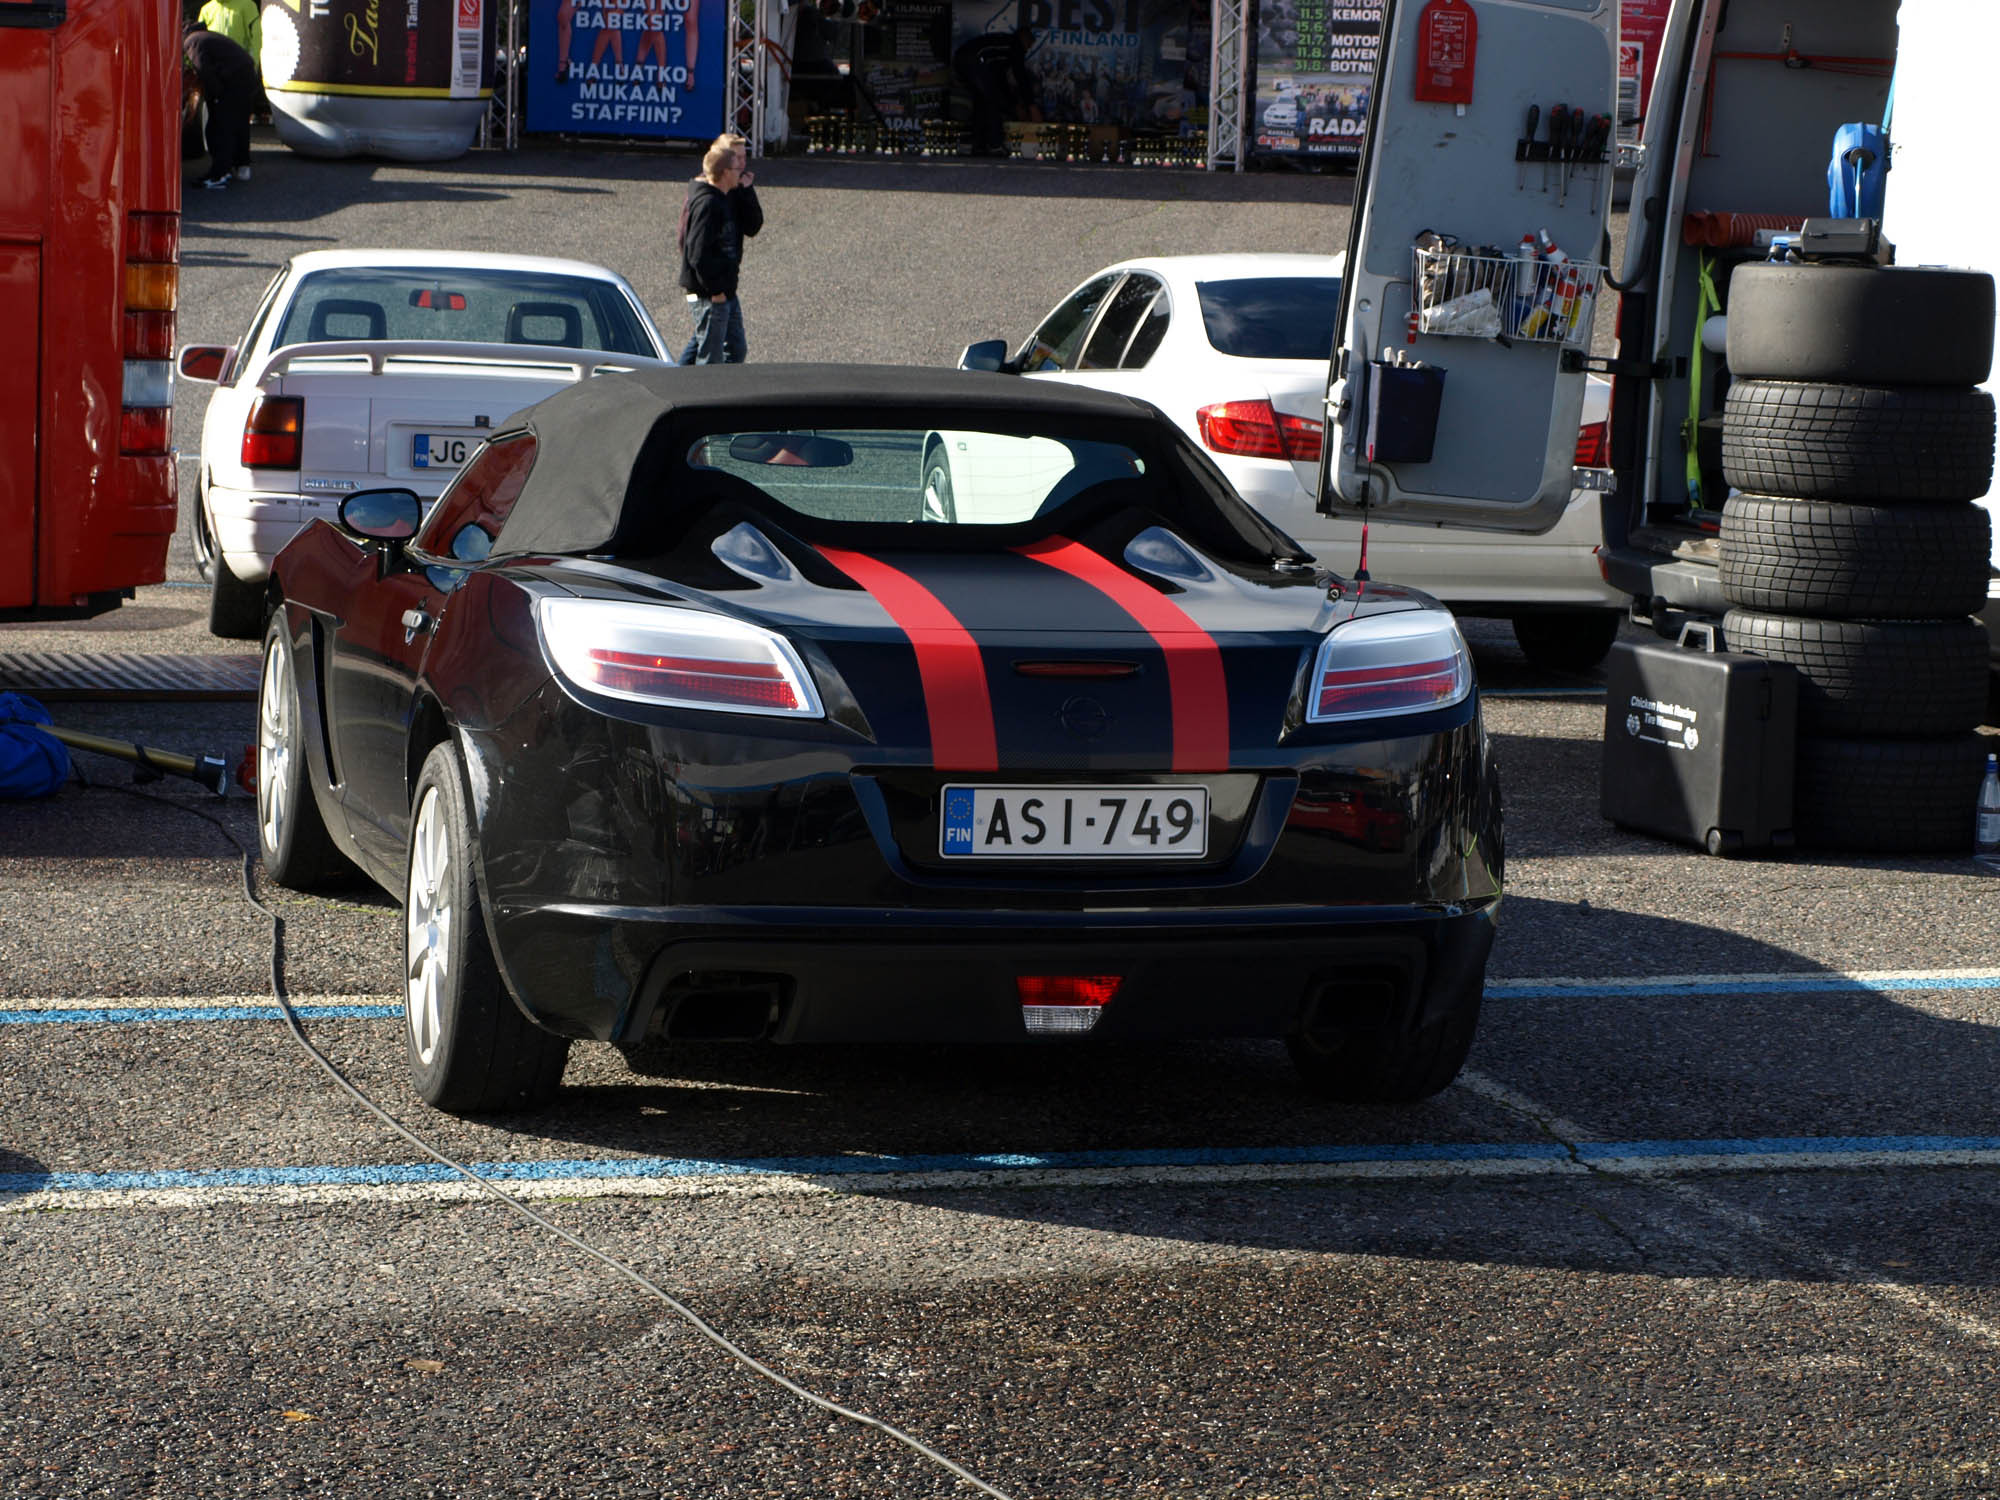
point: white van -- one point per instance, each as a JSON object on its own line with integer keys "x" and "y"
{"x": 1746, "y": 103}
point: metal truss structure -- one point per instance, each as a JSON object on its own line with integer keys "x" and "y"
{"x": 1230, "y": 36}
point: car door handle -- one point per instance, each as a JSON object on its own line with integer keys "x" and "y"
{"x": 414, "y": 620}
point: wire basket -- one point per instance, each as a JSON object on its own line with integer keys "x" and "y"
{"x": 1505, "y": 297}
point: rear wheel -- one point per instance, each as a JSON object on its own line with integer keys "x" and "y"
{"x": 1371, "y": 1056}
{"x": 235, "y": 608}
{"x": 297, "y": 850}
{"x": 938, "y": 504}
{"x": 471, "y": 1049}
{"x": 1572, "y": 641}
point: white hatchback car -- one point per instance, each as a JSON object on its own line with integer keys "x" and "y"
{"x": 365, "y": 368}
{"x": 1234, "y": 349}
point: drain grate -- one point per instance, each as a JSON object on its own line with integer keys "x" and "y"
{"x": 127, "y": 675}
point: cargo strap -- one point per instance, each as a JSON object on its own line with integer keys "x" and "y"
{"x": 1690, "y": 430}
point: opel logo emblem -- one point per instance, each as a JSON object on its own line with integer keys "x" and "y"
{"x": 1084, "y": 717}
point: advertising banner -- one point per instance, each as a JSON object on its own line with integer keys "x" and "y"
{"x": 906, "y": 67}
{"x": 627, "y": 67}
{"x": 1640, "y": 26}
{"x": 1315, "y": 71}
{"x": 1099, "y": 62}
{"x": 367, "y": 49}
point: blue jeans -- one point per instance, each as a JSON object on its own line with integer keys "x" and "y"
{"x": 718, "y": 334}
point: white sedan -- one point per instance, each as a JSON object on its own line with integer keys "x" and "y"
{"x": 1234, "y": 349}
{"x": 365, "y": 368}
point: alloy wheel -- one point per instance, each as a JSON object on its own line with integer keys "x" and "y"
{"x": 276, "y": 734}
{"x": 429, "y": 917}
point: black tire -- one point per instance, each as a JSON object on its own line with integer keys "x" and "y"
{"x": 1567, "y": 640}
{"x": 1373, "y": 1059}
{"x": 1873, "y": 678}
{"x": 1854, "y": 562}
{"x": 1861, "y": 325}
{"x": 1875, "y": 444}
{"x": 937, "y": 502}
{"x": 236, "y": 610}
{"x": 204, "y": 540}
{"x": 292, "y": 839}
{"x": 1888, "y": 796}
{"x": 471, "y": 1049}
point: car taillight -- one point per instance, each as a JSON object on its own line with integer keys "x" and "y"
{"x": 272, "y": 432}
{"x": 1389, "y": 664}
{"x": 1055, "y": 1004}
{"x": 1255, "y": 429}
{"x": 152, "y": 291}
{"x": 679, "y": 658}
{"x": 1593, "y": 445}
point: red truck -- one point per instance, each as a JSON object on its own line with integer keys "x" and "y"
{"x": 90, "y": 203}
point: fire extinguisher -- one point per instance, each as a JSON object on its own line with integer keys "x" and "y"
{"x": 1447, "y": 52}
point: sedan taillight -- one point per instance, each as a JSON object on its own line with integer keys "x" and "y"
{"x": 674, "y": 657}
{"x": 1389, "y": 664}
{"x": 272, "y": 432}
{"x": 1255, "y": 429}
{"x": 1593, "y": 445}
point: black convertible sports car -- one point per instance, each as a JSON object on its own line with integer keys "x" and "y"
{"x": 823, "y": 703}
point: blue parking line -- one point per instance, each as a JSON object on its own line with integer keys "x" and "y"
{"x": 133, "y": 1015}
{"x": 1767, "y": 984}
{"x": 1865, "y": 1149}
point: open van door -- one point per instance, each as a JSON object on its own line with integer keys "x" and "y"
{"x": 1472, "y": 263}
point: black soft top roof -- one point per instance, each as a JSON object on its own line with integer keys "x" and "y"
{"x": 611, "y": 447}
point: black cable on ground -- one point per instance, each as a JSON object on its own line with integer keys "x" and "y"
{"x": 637, "y": 1278}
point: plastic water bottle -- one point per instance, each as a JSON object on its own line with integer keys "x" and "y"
{"x": 1986, "y": 831}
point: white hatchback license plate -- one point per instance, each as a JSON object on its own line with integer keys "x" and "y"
{"x": 441, "y": 450}
{"x": 1074, "y": 822}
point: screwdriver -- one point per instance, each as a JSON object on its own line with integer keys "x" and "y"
{"x": 1558, "y": 127}
{"x": 1527, "y": 149}
{"x": 1596, "y": 140}
{"x": 1572, "y": 137}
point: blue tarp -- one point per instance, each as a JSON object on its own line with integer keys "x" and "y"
{"x": 33, "y": 762}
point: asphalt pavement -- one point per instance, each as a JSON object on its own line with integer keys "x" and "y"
{"x": 1714, "y": 1208}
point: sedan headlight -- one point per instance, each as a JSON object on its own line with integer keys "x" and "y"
{"x": 676, "y": 657}
{"x": 1389, "y": 664}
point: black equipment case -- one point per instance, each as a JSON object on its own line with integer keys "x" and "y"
{"x": 1699, "y": 744}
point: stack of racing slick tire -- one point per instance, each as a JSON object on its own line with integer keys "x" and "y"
{"x": 1856, "y": 443}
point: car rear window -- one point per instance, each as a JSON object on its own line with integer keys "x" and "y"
{"x": 1271, "y": 317}
{"x": 955, "y": 477}
{"x": 484, "y": 306}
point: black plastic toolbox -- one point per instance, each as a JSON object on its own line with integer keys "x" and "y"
{"x": 1699, "y": 745}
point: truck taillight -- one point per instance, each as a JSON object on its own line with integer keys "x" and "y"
{"x": 152, "y": 291}
{"x": 272, "y": 431}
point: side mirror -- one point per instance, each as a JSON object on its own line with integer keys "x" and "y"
{"x": 987, "y": 354}
{"x": 204, "y": 362}
{"x": 381, "y": 515}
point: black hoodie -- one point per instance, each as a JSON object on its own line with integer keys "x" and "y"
{"x": 713, "y": 224}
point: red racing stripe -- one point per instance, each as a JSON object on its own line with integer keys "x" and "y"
{"x": 1195, "y": 681}
{"x": 953, "y": 673}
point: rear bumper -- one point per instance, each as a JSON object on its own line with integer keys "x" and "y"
{"x": 825, "y": 976}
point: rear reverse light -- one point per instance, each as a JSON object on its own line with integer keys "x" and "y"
{"x": 1065, "y": 1004}
{"x": 152, "y": 288}
{"x": 272, "y": 432}
{"x": 675, "y": 657}
{"x": 1254, "y": 429}
{"x": 1593, "y": 445}
{"x": 1389, "y": 664}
